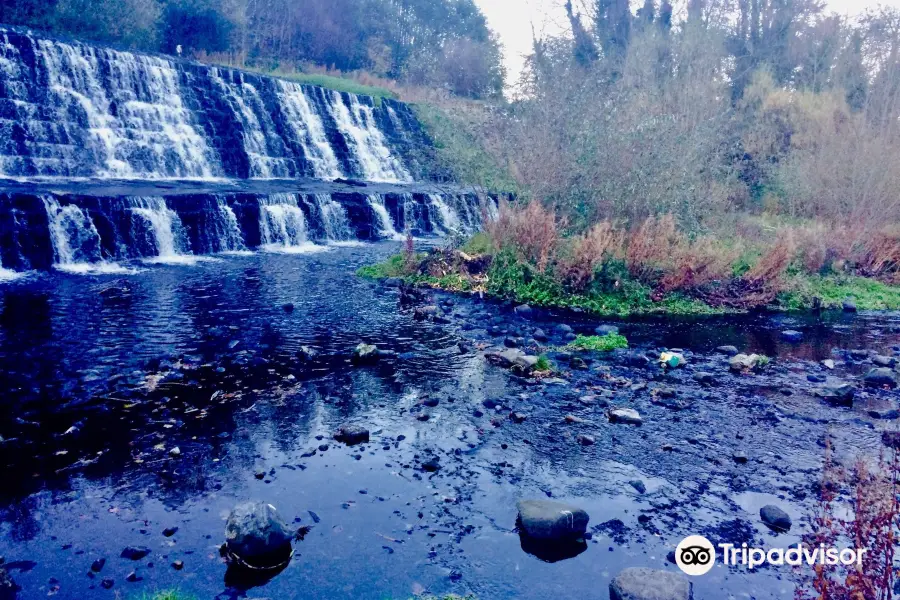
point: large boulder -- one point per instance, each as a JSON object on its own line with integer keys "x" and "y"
{"x": 775, "y": 518}
{"x": 837, "y": 391}
{"x": 257, "y": 536}
{"x": 881, "y": 377}
{"x": 548, "y": 520}
{"x": 352, "y": 434}
{"x": 649, "y": 584}
{"x": 746, "y": 362}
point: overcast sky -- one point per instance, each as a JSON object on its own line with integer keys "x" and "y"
{"x": 513, "y": 20}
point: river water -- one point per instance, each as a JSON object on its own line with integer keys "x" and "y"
{"x": 104, "y": 376}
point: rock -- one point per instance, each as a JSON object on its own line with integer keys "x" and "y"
{"x": 836, "y": 391}
{"x": 132, "y": 577}
{"x": 98, "y": 564}
{"x": 135, "y": 552}
{"x": 307, "y": 353}
{"x": 563, "y": 328}
{"x": 624, "y": 415}
{"x": 523, "y": 310}
{"x": 887, "y": 412}
{"x": 649, "y": 584}
{"x": 792, "y": 336}
{"x": 638, "y": 485}
{"x": 704, "y": 377}
{"x": 745, "y": 362}
{"x": 511, "y": 342}
{"x": 256, "y": 534}
{"x": 775, "y": 518}
{"x": 859, "y": 354}
{"x": 891, "y": 439}
{"x": 881, "y": 377}
{"x": 393, "y": 282}
{"x": 8, "y": 587}
{"x": 828, "y": 364}
{"x": 540, "y": 335}
{"x": 107, "y": 583}
{"x": 504, "y": 358}
{"x": 728, "y": 350}
{"x": 175, "y": 452}
{"x": 352, "y": 434}
{"x": 572, "y": 419}
{"x": 170, "y": 531}
{"x": 288, "y": 307}
{"x": 365, "y": 353}
{"x": 606, "y": 329}
{"x": 849, "y": 305}
{"x": 517, "y": 417}
{"x": 884, "y": 361}
{"x": 586, "y": 440}
{"x": 816, "y": 378}
{"x": 178, "y": 565}
{"x": 431, "y": 465}
{"x": 548, "y": 520}
{"x": 740, "y": 457}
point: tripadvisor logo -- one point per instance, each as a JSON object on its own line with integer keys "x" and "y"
{"x": 696, "y": 555}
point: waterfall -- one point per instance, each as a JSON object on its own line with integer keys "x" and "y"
{"x": 368, "y": 145}
{"x": 138, "y": 125}
{"x": 283, "y": 225}
{"x": 160, "y": 228}
{"x": 334, "y": 219}
{"x": 228, "y": 230}
{"x": 449, "y": 220}
{"x": 309, "y": 130}
{"x": 76, "y": 241}
{"x": 386, "y": 225}
{"x": 74, "y": 110}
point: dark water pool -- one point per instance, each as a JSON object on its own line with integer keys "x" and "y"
{"x": 104, "y": 376}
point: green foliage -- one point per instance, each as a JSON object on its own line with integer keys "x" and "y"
{"x": 598, "y": 343}
{"x": 459, "y": 142}
{"x": 478, "y": 244}
{"x": 167, "y": 595}
{"x": 395, "y": 266}
{"x": 331, "y": 82}
{"x": 832, "y": 290}
{"x": 543, "y": 364}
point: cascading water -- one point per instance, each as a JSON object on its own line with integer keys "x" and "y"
{"x": 368, "y": 145}
{"x": 160, "y": 229}
{"x": 334, "y": 219}
{"x": 227, "y": 230}
{"x": 449, "y": 220}
{"x": 385, "y": 224}
{"x": 76, "y": 241}
{"x": 283, "y": 225}
{"x": 74, "y": 110}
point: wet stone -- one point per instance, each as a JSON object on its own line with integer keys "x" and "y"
{"x": 256, "y": 534}
{"x": 625, "y": 415}
{"x": 548, "y": 520}
{"x": 881, "y": 377}
{"x": 135, "y": 552}
{"x": 649, "y": 584}
{"x": 775, "y": 518}
{"x": 352, "y": 434}
{"x": 727, "y": 350}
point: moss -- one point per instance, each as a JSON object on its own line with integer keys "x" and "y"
{"x": 832, "y": 290}
{"x": 598, "y": 343}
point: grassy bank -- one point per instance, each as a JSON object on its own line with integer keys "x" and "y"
{"x": 614, "y": 290}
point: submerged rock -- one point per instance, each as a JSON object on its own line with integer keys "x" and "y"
{"x": 256, "y": 535}
{"x": 649, "y": 584}
{"x": 365, "y": 353}
{"x": 548, "y": 520}
{"x": 792, "y": 336}
{"x": 513, "y": 359}
{"x": 624, "y": 415}
{"x": 727, "y": 350}
{"x": 884, "y": 361}
{"x": 352, "y": 434}
{"x": 135, "y": 552}
{"x": 837, "y": 392}
{"x": 881, "y": 377}
{"x": 775, "y": 518}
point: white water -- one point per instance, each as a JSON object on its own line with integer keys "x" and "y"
{"x": 228, "y": 230}
{"x": 283, "y": 226}
{"x": 141, "y": 126}
{"x": 334, "y": 219}
{"x": 385, "y": 223}
{"x": 357, "y": 124}
{"x": 310, "y": 131}
{"x": 448, "y": 217}
{"x": 76, "y": 242}
{"x": 165, "y": 231}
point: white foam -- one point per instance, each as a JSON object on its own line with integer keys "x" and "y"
{"x": 98, "y": 268}
{"x": 305, "y": 248}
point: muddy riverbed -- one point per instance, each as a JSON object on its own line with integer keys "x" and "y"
{"x": 138, "y": 410}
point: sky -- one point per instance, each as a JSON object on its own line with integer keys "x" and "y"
{"x": 513, "y": 21}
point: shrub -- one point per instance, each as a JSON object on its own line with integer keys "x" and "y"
{"x": 532, "y": 231}
{"x": 587, "y": 253}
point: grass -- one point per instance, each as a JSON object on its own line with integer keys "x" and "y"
{"x": 458, "y": 143}
{"x": 331, "y": 82}
{"x": 543, "y": 364}
{"x": 868, "y": 294}
{"x": 598, "y": 343}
